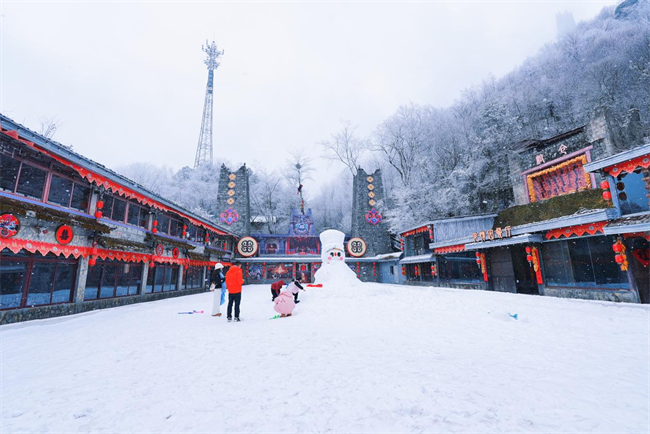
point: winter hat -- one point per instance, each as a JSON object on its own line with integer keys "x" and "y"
{"x": 218, "y": 266}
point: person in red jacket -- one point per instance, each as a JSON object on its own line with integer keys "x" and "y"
{"x": 234, "y": 282}
{"x": 275, "y": 289}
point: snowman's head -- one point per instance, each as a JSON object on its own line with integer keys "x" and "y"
{"x": 334, "y": 255}
{"x": 332, "y": 246}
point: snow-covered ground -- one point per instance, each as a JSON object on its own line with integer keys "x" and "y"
{"x": 379, "y": 358}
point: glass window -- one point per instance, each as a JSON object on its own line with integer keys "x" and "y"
{"x": 12, "y": 281}
{"x": 176, "y": 228}
{"x": 123, "y": 278}
{"x": 632, "y": 192}
{"x": 163, "y": 224}
{"x": 582, "y": 262}
{"x": 40, "y": 283}
{"x": 151, "y": 275}
{"x": 158, "y": 280}
{"x": 9, "y": 172}
{"x": 135, "y": 278}
{"x": 80, "y": 196}
{"x": 459, "y": 266}
{"x": 108, "y": 280}
{"x": 134, "y": 215}
{"x": 63, "y": 283}
{"x": 108, "y": 206}
{"x": 31, "y": 181}
{"x": 119, "y": 210}
{"x": 93, "y": 281}
{"x": 60, "y": 191}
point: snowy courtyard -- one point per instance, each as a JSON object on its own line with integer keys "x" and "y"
{"x": 381, "y": 358}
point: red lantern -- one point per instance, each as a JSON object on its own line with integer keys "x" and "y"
{"x": 604, "y": 185}
{"x": 607, "y": 195}
{"x": 155, "y": 223}
{"x": 184, "y": 227}
{"x": 529, "y": 258}
{"x": 478, "y": 255}
{"x": 98, "y": 214}
{"x": 154, "y": 230}
{"x": 478, "y": 260}
{"x": 617, "y": 248}
{"x": 100, "y": 204}
{"x": 528, "y": 250}
{"x": 619, "y": 259}
{"x": 152, "y": 265}
{"x": 92, "y": 261}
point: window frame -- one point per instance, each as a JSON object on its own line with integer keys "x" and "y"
{"x": 103, "y": 263}
{"x": 31, "y": 259}
{"x": 50, "y": 171}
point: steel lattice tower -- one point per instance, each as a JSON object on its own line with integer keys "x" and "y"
{"x": 204, "y": 148}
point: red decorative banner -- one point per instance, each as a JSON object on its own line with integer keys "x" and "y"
{"x": 417, "y": 231}
{"x": 102, "y": 181}
{"x": 449, "y": 249}
{"x": 536, "y": 266}
{"x": 589, "y": 228}
{"x": 16, "y": 245}
{"x": 629, "y": 166}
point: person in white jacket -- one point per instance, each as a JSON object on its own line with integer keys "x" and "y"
{"x": 218, "y": 285}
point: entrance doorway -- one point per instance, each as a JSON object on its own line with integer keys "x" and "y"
{"x": 525, "y": 279}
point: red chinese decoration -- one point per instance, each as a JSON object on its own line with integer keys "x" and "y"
{"x": 175, "y": 252}
{"x": 536, "y": 267}
{"x": 428, "y": 228}
{"x": 159, "y": 250}
{"x": 450, "y": 249}
{"x": 589, "y": 228}
{"x": 100, "y": 204}
{"x": 629, "y": 166}
{"x": 621, "y": 256}
{"x": 92, "y": 261}
{"x": 64, "y": 234}
{"x": 9, "y": 225}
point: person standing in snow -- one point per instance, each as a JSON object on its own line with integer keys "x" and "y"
{"x": 234, "y": 283}
{"x": 217, "y": 284}
{"x": 276, "y": 287}
{"x": 297, "y": 284}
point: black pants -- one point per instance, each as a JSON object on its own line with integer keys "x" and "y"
{"x": 274, "y": 294}
{"x": 236, "y": 299}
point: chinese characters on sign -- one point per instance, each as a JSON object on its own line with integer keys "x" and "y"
{"x": 492, "y": 234}
{"x": 540, "y": 159}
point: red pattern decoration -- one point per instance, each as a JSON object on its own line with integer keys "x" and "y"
{"x": 64, "y": 234}
{"x": 536, "y": 267}
{"x": 629, "y": 166}
{"x": 101, "y": 181}
{"x": 580, "y": 230}
{"x": 175, "y": 253}
{"x": 9, "y": 225}
{"x": 449, "y": 249}
{"x": 419, "y": 230}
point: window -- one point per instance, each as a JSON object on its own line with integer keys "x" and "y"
{"x": 192, "y": 278}
{"x": 459, "y": 266}
{"x": 163, "y": 224}
{"x": 162, "y": 278}
{"x": 632, "y": 192}
{"x": 9, "y": 172}
{"x": 31, "y": 280}
{"x": 176, "y": 228}
{"x": 109, "y": 279}
{"x": 66, "y": 193}
{"x": 31, "y": 181}
{"x": 119, "y": 210}
{"x": 20, "y": 177}
{"x": 583, "y": 262}
{"x": 137, "y": 215}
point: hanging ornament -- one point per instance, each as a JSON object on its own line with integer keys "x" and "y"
{"x": 64, "y": 234}
{"x": 175, "y": 253}
{"x": 100, "y": 204}
{"x": 159, "y": 250}
{"x": 9, "y": 225}
{"x": 98, "y": 214}
{"x": 92, "y": 261}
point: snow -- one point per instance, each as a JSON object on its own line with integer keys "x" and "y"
{"x": 377, "y": 358}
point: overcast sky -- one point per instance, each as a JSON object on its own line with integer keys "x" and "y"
{"x": 127, "y": 80}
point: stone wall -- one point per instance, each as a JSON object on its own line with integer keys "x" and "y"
{"x": 364, "y": 186}
{"x": 233, "y": 200}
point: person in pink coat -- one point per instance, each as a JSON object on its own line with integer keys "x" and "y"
{"x": 285, "y": 302}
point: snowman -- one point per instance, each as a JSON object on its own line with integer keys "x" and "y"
{"x": 333, "y": 270}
